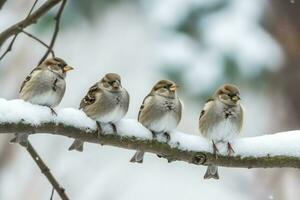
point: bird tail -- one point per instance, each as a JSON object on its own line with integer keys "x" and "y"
{"x": 76, "y": 145}
{"x": 21, "y": 138}
{"x": 138, "y": 157}
{"x": 211, "y": 172}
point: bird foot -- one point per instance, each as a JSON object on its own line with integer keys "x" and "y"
{"x": 215, "y": 150}
{"x": 154, "y": 136}
{"x": 52, "y": 111}
{"x": 230, "y": 150}
{"x": 168, "y": 137}
{"x": 114, "y": 128}
{"x": 99, "y": 129}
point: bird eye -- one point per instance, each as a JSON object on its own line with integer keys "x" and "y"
{"x": 166, "y": 87}
{"x": 225, "y": 96}
{"x": 61, "y": 65}
{"x": 110, "y": 82}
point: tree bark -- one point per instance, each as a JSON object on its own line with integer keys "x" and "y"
{"x": 2, "y": 2}
{"x": 152, "y": 146}
{"x": 33, "y": 18}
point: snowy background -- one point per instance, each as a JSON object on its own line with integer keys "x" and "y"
{"x": 200, "y": 44}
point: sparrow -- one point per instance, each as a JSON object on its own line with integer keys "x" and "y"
{"x": 44, "y": 86}
{"x": 106, "y": 102}
{"x": 221, "y": 121}
{"x": 160, "y": 112}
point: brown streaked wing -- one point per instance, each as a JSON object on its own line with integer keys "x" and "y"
{"x": 241, "y": 118}
{"x": 29, "y": 77}
{"x": 90, "y": 97}
{"x": 143, "y": 105}
{"x": 203, "y": 111}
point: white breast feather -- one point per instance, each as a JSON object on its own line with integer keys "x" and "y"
{"x": 49, "y": 98}
{"x": 224, "y": 131}
{"x": 113, "y": 116}
{"x": 166, "y": 123}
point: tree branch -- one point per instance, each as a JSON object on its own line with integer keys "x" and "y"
{"x": 249, "y": 152}
{"x": 9, "y": 48}
{"x": 2, "y": 2}
{"x": 56, "y": 29}
{"x": 46, "y": 171}
{"x": 154, "y": 146}
{"x": 33, "y": 18}
{"x": 38, "y": 40}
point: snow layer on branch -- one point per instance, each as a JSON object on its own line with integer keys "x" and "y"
{"x": 285, "y": 143}
{"x": 279, "y": 144}
{"x": 13, "y": 111}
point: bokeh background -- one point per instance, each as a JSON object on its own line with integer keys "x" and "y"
{"x": 199, "y": 44}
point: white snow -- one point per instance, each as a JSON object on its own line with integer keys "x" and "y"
{"x": 17, "y": 110}
{"x": 285, "y": 143}
{"x": 130, "y": 127}
{"x": 74, "y": 117}
{"x": 279, "y": 144}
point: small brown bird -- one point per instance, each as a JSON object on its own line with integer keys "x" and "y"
{"x": 106, "y": 102}
{"x": 160, "y": 112}
{"x": 45, "y": 86}
{"x": 221, "y": 120}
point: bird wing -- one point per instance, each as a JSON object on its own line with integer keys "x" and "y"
{"x": 205, "y": 108}
{"x": 127, "y": 99}
{"x": 90, "y": 97}
{"x": 241, "y": 118}
{"x": 145, "y": 101}
{"x": 181, "y": 107}
{"x": 203, "y": 125}
{"x": 28, "y": 78}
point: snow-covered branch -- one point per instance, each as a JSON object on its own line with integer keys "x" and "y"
{"x": 277, "y": 150}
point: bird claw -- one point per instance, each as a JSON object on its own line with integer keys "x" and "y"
{"x": 99, "y": 129}
{"x": 154, "y": 136}
{"x": 52, "y": 111}
{"x": 168, "y": 137}
{"x": 215, "y": 150}
{"x": 114, "y": 128}
{"x": 230, "y": 150}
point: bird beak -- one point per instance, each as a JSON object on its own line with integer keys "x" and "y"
{"x": 236, "y": 98}
{"x": 67, "y": 68}
{"x": 116, "y": 84}
{"x": 173, "y": 88}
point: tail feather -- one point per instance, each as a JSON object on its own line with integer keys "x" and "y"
{"x": 211, "y": 172}
{"x": 138, "y": 157}
{"x": 21, "y": 138}
{"x": 76, "y": 145}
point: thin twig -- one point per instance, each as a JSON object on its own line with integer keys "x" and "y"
{"x": 31, "y": 9}
{"x": 52, "y": 193}
{"x": 171, "y": 153}
{"x": 2, "y": 2}
{"x": 9, "y": 48}
{"x": 56, "y": 30}
{"x": 46, "y": 171}
{"x": 39, "y": 40}
{"x": 14, "y": 29}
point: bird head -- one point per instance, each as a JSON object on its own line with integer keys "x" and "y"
{"x": 228, "y": 94}
{"x": 57, "y": 65}
{"x": 111, "y": 82}
{"x": 165, "y": 88}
